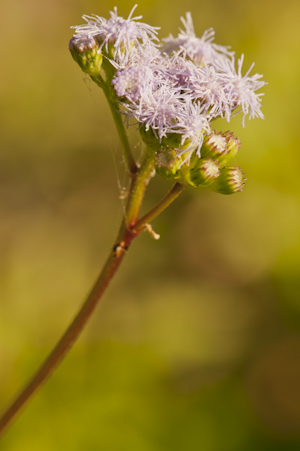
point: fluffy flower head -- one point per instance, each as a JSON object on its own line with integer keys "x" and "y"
{"x": 240, "y": 90}
{"x": 200, "y": 50}
{"x": 121, "y": 33}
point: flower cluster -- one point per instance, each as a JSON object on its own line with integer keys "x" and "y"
{"x": 174, "y": 90}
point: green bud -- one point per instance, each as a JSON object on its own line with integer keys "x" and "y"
{"x": 221, "y": 147}
{"x": 168, "y": 163}
{"x": 85, "y": 53}
{"x": 230, "y": 180}
{"x": 203, "y": 173}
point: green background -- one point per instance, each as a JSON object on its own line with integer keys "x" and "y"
{"x": 196, "y": 345}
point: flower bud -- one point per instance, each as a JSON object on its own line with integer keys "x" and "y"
{"x": 203, "y": 173}
{"x": 221, "y": 147}
{"x": 230, "y": 180}
{"x": 168, "y": 163}
{"x": 84, "y": 50}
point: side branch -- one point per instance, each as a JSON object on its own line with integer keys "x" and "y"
{"x": 140, "y": 225}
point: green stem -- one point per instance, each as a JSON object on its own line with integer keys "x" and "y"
{"x": 161, "y": 206}
{"x": 138, "y": 189}
{"x": 124, "y": 238}
{"x": 118, "y": 119}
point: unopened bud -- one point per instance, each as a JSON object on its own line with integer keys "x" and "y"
{"x": 221, "y": 147}
{"x": 85, "y": 51}
{"x": 204, "y": 172}
{"x": 231, "y": 180}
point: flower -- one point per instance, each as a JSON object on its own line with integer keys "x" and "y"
{"x": 132, "y": 82}
{"x": 122, "y": 34}
{"x": 240, "y": 90}
{"x": 157, "y": 109}
{"x": 207, "y": 86}
{"x": 191, "y": 125}
{"x": 200, "y": 50}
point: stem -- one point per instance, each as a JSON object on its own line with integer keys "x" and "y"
{"x": 137, "y": 193}
{"x": 67, "y": 340}
{"x": 124, "y": 238}
{"x": 161, "y": 206}
{"x": 115, "y": 110}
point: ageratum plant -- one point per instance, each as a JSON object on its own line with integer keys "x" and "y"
{"x": 171, "y": 91}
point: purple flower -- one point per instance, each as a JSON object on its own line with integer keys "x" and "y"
{"x": 240, "y": 90}
{"x": 119, "y": 32}
{"x": 192, "y": 124}
{"x": 206, "y": 86}
{"x": 200, "y": 50}
{"x": 133, "y": 81}
{"x": 157, "y": 109}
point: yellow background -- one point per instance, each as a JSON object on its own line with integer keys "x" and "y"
{"x": 196, "y": 345}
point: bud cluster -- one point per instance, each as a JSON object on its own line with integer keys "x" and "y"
{"x": 219, "y": 149}
{"x": 208, "y": 171}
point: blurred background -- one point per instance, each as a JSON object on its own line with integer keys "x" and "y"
{"x": 196, "y": 345}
